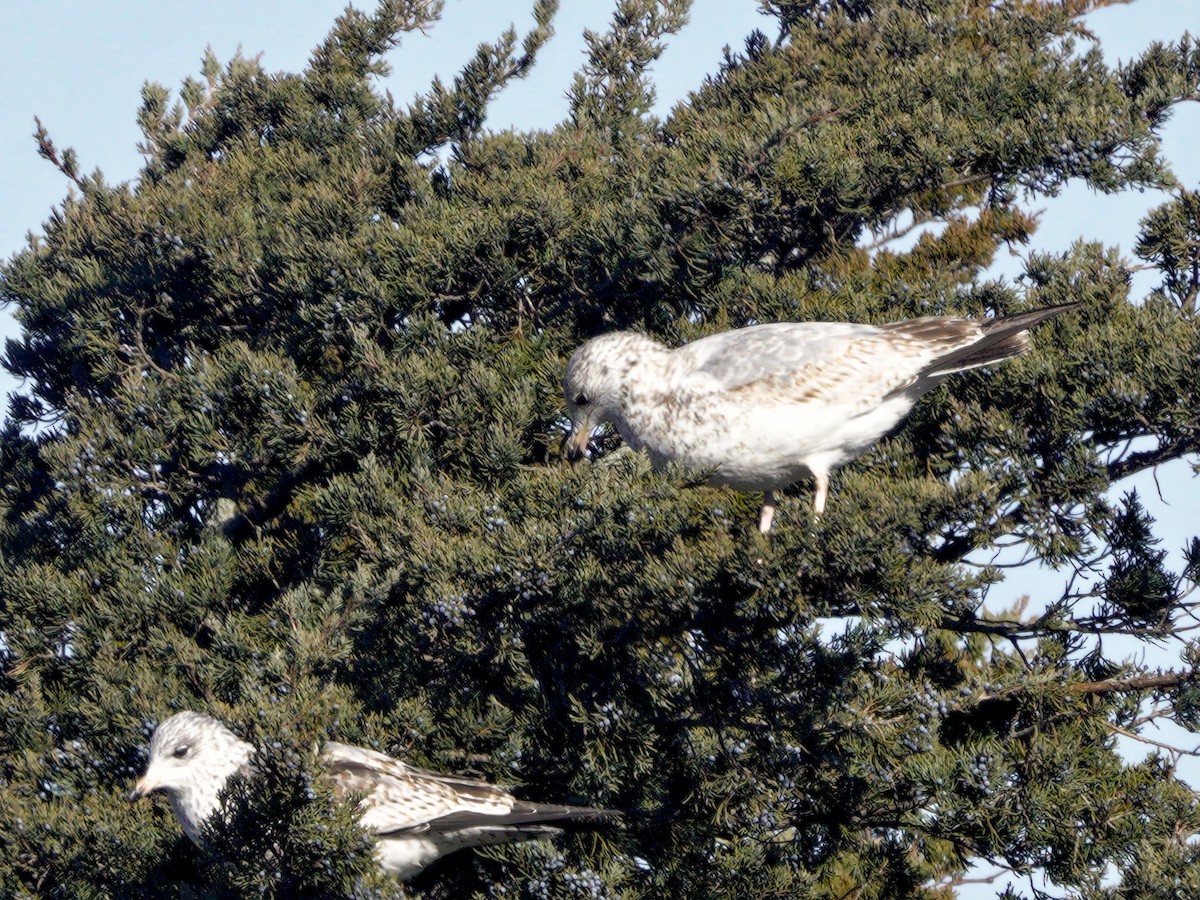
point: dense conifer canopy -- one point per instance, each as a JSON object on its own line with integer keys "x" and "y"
{"x": 288, "y": 451}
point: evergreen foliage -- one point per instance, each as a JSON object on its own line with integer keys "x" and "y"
{"x": 288, "y": 451}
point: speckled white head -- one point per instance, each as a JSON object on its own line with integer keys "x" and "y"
{"x": 596, "y": 383}
{"x": 191, "y": 757}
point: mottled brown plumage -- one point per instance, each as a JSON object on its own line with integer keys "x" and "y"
{"x": 416, "y": 815}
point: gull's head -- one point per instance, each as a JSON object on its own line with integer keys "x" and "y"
{"x": 191, "y": 757}
{"x": 596, "y": 384}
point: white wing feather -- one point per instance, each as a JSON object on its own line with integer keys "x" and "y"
{"x": 402, "y": 797}
{"x": 734, "y": 359}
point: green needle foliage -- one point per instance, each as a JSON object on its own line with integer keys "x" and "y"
{"x": 288, "y": 450}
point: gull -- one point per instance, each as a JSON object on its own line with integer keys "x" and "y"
{"x": 761, "y": 407}
{"x": 415, "y": 815}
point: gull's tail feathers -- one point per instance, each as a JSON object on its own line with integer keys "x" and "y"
{"x": 1002, "y": 339}
{"x": 528, "y": 815}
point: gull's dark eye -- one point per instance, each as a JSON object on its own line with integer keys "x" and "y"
{"x": 181, "y": 751}
{"x": 580, "y": 400}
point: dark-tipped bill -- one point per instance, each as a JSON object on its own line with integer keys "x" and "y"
{"x": 577, "y": 441}
{"x": 143, "y": 788}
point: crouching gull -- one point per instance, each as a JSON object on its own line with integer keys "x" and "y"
{"x": 415, "y": 815}
{"x": 761, "y": 407}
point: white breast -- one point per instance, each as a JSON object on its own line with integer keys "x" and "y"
{"x": 407, "y": 855}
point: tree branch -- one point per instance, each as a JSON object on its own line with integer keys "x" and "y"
{"x": 1137, "y": 682}
{"x": 1171, "y": 748}
{"x": 1146, "y": 459}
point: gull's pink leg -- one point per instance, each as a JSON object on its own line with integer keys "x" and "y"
{"x": 822, "y": 491}
{"x": 768, "y": 512}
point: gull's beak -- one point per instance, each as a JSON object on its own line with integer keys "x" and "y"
{"x": 577, "y": 440}
{"x": 143, "y": 788}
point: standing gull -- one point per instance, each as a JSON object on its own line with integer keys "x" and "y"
{"x": 415, "y": 815}
{"x": 762, "y": 407}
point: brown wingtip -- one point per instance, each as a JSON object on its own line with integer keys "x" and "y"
{"x": 1026, "y": 320}
{"x": 525, "y": 812}
{"x": 1003, "y": 338}
{"x": 585, "y": 818}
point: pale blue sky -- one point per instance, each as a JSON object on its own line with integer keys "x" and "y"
{"x": 80, "y": 65}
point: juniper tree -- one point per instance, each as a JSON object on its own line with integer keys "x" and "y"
{"x": 288, "y": 451}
